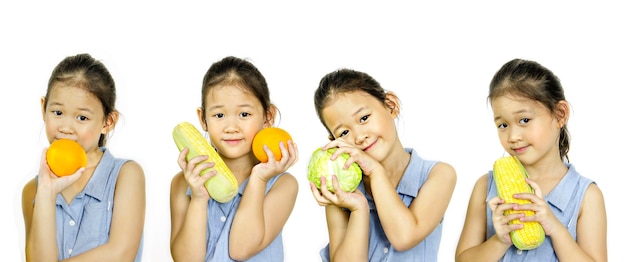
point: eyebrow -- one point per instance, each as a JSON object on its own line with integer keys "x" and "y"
{"x": 353, "y": 114}
{"x": 222, "y": 106}
{"x": 85, "y": 109}
{"x": 515, "y": 113}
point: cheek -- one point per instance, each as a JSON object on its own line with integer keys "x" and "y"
{"x": 503, "y": 137}
{"x": 51, "y": 130}
{"x": 90, "y": 134}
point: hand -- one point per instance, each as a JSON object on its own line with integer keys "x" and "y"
{"x": 324, "y": 197}
{"x": 501, "y": 222}
{"x": 367, "y": 164}
{"x": 271, "y": 168}
{"x": 543, "y": 213}
{"x": 192, "y": 171}
{"x": 49, "y": 182}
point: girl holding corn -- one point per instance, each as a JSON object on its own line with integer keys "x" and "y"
{"x": 531, "y": 114}
{"x": 97, "y": 213}
{"x": 384, "y": 219}
{"x": 235, "y": 107}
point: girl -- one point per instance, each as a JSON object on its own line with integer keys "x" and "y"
{"x": 97, "y": 213}
{"x": 531, "y": 113}
{"x": 235, "y": 106}
{"x": 384, "y": 220}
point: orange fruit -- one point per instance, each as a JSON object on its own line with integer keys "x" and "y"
{"x": 65, "y": 156}
{"x": 270, "y": 136}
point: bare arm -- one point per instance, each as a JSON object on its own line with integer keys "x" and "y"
{"x": 348, "y": 230}
{"x": 405, "y": 226}
{"x": 472, "y": 244}
{"x": 591, "y": 231}
{"x": 188, "y": 222}
{"x": 40, "y": 218}
{"x": 128, "y": 218}
{"x": 348, "y": 233}
{"x": 40, "y": 233}
{"x": 261, "y": 217}
{"x": 188, "y": 238}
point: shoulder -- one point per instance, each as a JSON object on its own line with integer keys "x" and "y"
{"x": 29, "y": 190}
{"x": 593, "y": 196}
{"x": 443, "y": 171}
{"x": 287, "y": 180}
{"x": 131, "y": 170}
{"x": 482, "y": 181}
{"x": 178, "y": 182}
{"x": 480, "y": 186}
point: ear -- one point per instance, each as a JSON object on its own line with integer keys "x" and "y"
{"x": 392, "y": 102}
{"x": 110, "y": 122}
{"x": 270, "y": 116}
{"x": 200, "y": 113}
{"x": 43, "y": 107}
{"x": 562, "y": 113}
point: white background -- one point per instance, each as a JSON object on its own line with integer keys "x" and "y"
{"x": 439, "y": 57}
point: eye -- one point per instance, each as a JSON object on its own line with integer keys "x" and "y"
{"x": 244, "y": 114}
{"x": 82, "y": 118}
{"x": 343, "y": 133}
{"x": 524, "y": 121}
{"x": 364, "y": 118}
{"x": 218, "y": 115}
{"x": 57, "y": 112}
{"x": 502, "y": 126}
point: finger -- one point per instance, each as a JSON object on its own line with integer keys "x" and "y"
{"x": 293, "y": 150}
{"x": 269, "y": 153}
{"x": 324, "y": 189}
{"x": 535, "y": 187}
{"x": 336, "y": 186}
{"x": 494, "y": 202}
{"x": 182, "y": 158}
{"x": 206, "y": 176}
{"x": 317, "y": 195}
{"x": 199, "y": 168}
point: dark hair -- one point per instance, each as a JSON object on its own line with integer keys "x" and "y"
{"x": 531, "y": 80}
{"x": 342, "y": 81}
{"x": 84, "y": 71}
{"x": 233, "y": 70}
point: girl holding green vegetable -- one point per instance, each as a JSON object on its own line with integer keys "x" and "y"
{"x": 384, "y": 219}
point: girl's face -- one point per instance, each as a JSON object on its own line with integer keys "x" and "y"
{"x": 233, "y": 117}
{"x": 526, "y": 128}
{"x": 75, "y": 114}
{"x": 362, "y": 121}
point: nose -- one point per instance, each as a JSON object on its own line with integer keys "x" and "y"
{"x": 360, "y": 137}
{"x": 66, "y": 125}
{"x": 514, "y": 134}
{"x": 231, "y": 125}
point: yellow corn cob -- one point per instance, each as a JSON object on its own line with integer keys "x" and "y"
{"x": 223, "y": 186}
{"x": 509, "y": 175}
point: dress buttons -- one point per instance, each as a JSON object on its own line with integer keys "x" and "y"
{"x": 223, "y": 218}
{"x": 69, "y": 251}
{"x": 519, "y": 252}
{"x": 385, "y": 250}
{"x": 72, "y": 223}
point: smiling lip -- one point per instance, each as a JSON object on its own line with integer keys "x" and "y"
{"x": 370, "y": 146}
{"x": 520, "y": 150}
{"x": 232, "y": 141}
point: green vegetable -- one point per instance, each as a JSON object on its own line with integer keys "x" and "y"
{"x": 320, "y": 165}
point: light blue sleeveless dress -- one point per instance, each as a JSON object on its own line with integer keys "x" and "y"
{"x": 86, "y": 222}
{"x": 220, "y": 219}
{"x": 380, "y": 249}
{"x": 564, "y": 201}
